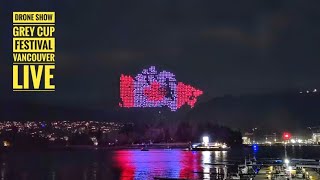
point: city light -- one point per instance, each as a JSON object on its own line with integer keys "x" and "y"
{"x": 59, "y": 130}
{"x": 6, "y": 143}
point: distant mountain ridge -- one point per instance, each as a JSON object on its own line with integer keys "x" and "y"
{"x": 278, "y": 111}
{"x": 274, "y": 111}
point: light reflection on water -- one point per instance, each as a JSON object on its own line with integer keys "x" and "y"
{"x": 97, "y": 164}
{"x": 170, "y": 164}
{"x": 157, "y": 163}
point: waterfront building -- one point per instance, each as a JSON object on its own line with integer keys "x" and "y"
{"x": 316, "y": 138}
{"x": 247, "y": 137}
{"x": 246, "y": 140}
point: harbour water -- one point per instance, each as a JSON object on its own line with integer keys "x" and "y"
{"x": 102, "y": 164}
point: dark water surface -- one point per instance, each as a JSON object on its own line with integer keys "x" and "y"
{"x": 99, "y": 164}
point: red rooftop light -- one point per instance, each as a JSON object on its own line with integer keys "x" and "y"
{"x": 286, "y": 136}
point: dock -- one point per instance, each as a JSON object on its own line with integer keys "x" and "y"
{"x": 309, "y": 174}
{"x": 263, "y": 174}
{"x": 313, "y": 175}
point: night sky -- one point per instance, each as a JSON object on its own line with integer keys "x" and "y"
{"x": 220, "y": 47}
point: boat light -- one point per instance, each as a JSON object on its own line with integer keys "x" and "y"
{"x": 205, "y": 140}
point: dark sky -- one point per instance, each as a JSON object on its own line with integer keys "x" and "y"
{"x": 220, "y": 47}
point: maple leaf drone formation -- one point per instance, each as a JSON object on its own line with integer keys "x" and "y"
{"x": 152, "y": 89}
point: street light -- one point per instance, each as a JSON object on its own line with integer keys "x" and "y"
{"x": 286, "y": 161}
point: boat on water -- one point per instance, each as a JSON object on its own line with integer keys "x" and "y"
{"x": 234, "y": 176}
{"x": 210, "y": 147}
{"x": 144, "y": 149}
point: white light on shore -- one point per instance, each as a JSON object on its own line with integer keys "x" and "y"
{"x": 286, "y": 161}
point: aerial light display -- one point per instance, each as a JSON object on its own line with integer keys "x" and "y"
{"x": 151, "y": 88}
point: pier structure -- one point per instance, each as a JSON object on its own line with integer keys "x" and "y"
{"x": 307, "y": 169}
